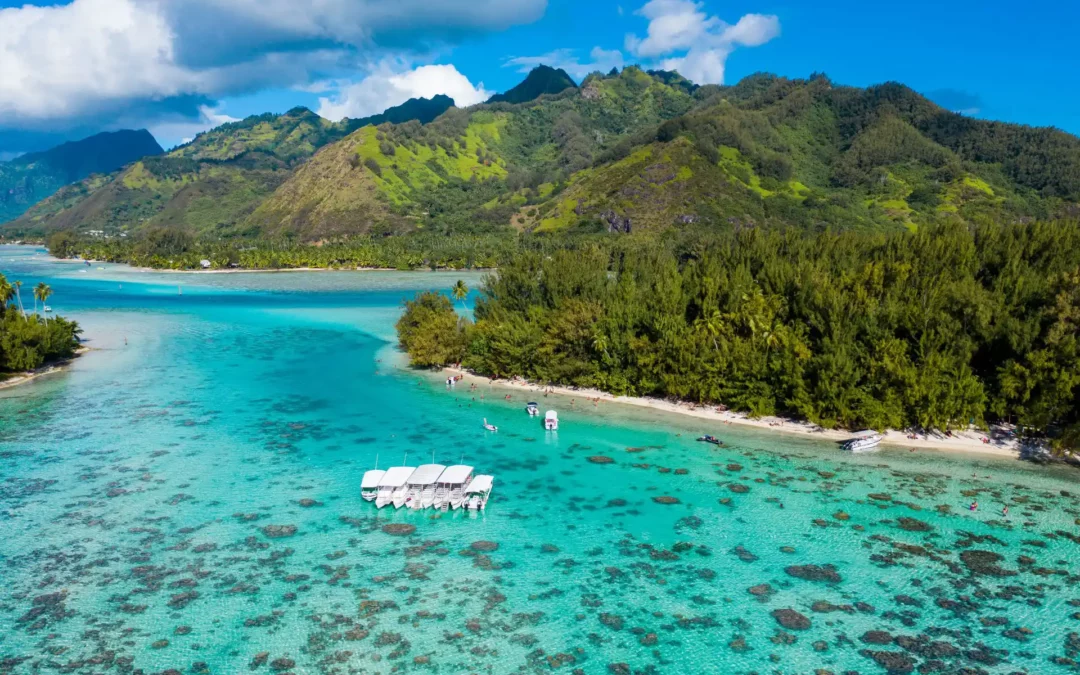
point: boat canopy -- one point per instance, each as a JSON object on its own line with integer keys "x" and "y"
{"x": 396, "y": 476}
{"x": 372, "y": 479}
{"x": 456, "y": 475}
{"x": 481, "y": 483}
{"x": 426, "y": 474}
{"x": 551, "y": 415}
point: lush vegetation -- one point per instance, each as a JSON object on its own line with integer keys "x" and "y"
{"x": 28, "y": 341}
{"x": 32, "y": 177}
{"x": 625, "y": 152}
{"x": 933, "y": 329}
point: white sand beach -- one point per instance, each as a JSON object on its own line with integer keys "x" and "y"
{"x": 1002, "y": 443}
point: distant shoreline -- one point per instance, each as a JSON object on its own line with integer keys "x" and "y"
{"x": 47, "y": 369}
{"x": 969, "y": 442}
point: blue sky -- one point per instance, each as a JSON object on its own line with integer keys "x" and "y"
{"x": 74, "y": 68}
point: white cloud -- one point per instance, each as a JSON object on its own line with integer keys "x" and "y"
{"x": 697, "y": 45}
{"x": 599, "y": 59}
{"x": 176, "y": 131}
{"x": 63, "y": 64}
{"x": 388, "y": 87}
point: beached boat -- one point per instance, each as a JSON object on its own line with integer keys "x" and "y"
{"x": 421, "y": 486}
{"x": 490, "y": 427}
{"x": 369, "y": 487}
{"x": 478, "y": 492}
{"x": 551, "y": 420}
{"x": 864, "y": 441}
{"x": 532, "y": 408}
{"x": 709, "y": 438}
{"x": 392, "y": 486}
{"x": 451, "y": 486}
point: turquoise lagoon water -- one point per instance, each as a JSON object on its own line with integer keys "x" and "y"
{"x": 138, "y": 490}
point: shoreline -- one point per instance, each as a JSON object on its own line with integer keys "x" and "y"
{"x": 969, "y": 442}
{"x": 48, "y": 369}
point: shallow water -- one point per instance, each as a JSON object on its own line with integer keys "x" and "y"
{"x": 137, "y": 486}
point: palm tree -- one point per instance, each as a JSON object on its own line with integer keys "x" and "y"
{"x": 18, "y": 296}
{"x": 42, "y": 292}
{"x": 7, "y": 292}
{"x": 460, "y": 291}
{"x": 711, "y": 323}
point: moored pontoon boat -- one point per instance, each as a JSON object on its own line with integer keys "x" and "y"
{"x": 478, "y": 492}
{"x": 369, "y": 487}
{"x": 421, "y": 486}
{"x": 392, "y": 486}
{"x": 451, "y": 486}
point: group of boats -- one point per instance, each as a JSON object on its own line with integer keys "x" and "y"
{"x": 427, "y": 486}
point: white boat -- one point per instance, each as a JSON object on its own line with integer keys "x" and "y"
{"x": 863, "y": 441}
{"x": 551, "y": 420}
{"x": 451, "y": 486}
{"x": 421, "y": 486}
{"x": 369, "y": 487}
{"x": 532, "y": 408}
{"x": 478, "y": 492}
{"x": 490, "y": 427}
{"x": 47, "y": 309}
{"x": 392, "y": 483}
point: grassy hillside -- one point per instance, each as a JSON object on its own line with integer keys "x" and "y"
{"x": 624, "y": 152}
{"x": 209, "y": 186}
{"x": 35, "y": 176}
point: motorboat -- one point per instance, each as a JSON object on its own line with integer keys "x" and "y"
{"x": 421, "y": 486}
{"x": 709, "y": 438}
{"x": 369, "y": 487}
{"x": 490, "y": 427}
{"x": 863, "y": 441}
{"x": 47, "y": 309}
{"x": 551, "y": 420}
{"x": 392, "y": 486}
{"x": 532, "y": 408}
{"x": 478, "y": 492}
{"x": 451, "y": 486}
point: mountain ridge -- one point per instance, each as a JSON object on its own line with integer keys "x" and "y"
{"x": 29, "y": 178}
{"x": 627, "y": 151}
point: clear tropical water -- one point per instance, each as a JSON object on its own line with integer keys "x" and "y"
{"x": 137, "y": 491}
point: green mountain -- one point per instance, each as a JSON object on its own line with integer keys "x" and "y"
{"x": 35, "y": 176}
{"x": 540, "y": 80}
{"x": 210, "y": 185}
{"x": 625, "y": 152}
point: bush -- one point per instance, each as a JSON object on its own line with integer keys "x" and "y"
{"x": 374, "y": 166}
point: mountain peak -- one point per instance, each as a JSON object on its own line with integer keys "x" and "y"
{"x": 540, "y": 80}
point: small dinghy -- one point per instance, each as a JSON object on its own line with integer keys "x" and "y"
{"x": 709, "y": 438}
{"x": 864, "y": 441}
{"x": 551, "y": 420}
{"x": 532, "y": 408}
{"x": 490, "y": 427}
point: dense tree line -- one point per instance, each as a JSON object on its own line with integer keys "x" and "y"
{"x": 27, "y": 341}
{"x": 934, "y": 329}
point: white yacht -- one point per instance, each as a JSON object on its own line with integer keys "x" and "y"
{"x": 393, "y": 483}
{"x": 369, "y": 487}
{"x": 863, "y": 441}
{"x": 478, "y": 492}
{"x": 451, "y": 486}
{"x": 421, "y": 486}
{"x": 551, "y": 420}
